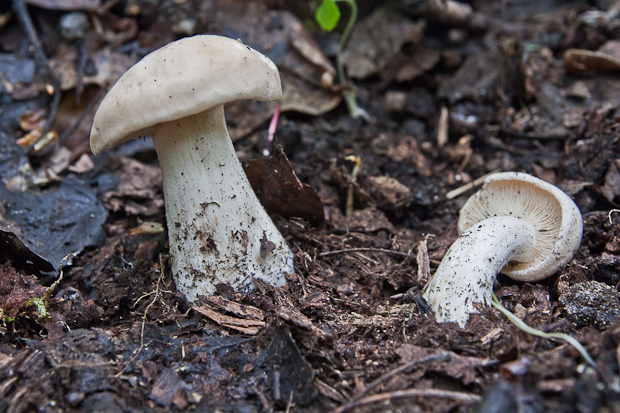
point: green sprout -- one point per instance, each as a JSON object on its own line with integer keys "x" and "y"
{"x": 327, "y": 16}
{"x": 520, "y": 324}
{"x": 39, "y": 304}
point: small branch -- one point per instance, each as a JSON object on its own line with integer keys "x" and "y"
{"x": 85, "y": 112}
{"x": 390, "y": 374}
{"x": 456, "y": 192}
{"x": 381, "y": 397}
{"x": 20, "y": 9}
{"x": 146, "y": 310}
{"x": 402, "y": 254}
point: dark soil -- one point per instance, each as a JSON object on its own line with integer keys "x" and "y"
{"x": 451, "y": 97}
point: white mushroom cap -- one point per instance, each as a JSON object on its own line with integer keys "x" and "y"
{"x": 183, "y": 78}
{"x": 553, "y": 214}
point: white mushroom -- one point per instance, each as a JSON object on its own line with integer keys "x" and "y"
{"x": 517, "y": 224}
{"x": 218, "y": 231}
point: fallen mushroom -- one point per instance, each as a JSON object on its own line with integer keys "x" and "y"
{"x": 218, "y": 231}
{"x": 517, "y": 224}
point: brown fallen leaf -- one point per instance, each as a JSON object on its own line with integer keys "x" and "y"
{"x": 138, "y": 183}
{"x": 110, "y": 66}
{"x": 580, "y": 61}
{"x": 424, "y": 264}
{"x": 279, "y": 189}
{"x": 304, "y": 69}
{"x": 376, "y": 40}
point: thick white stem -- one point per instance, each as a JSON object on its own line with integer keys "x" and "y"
{"x": 466, "y": 274}
{"x": 218, "y": 231}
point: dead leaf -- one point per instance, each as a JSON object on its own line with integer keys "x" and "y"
{"x": 54, "y": 223}
{"x": 279, "y": 189}
{"x": 423, "y": 261}
{"x": 369, "y": 220}
{"x": 611, "y": 188}
{"x": 139, "y": 183}
{"x": 475, "y": 80}
{"x": 302, "y": 64}
{"x": 580, "y": 61}
{"x": 82, "y": 165}
{"x": 376, "y": 40}
{"x": 166, "y": 387}
{"x": 110, "y": 66}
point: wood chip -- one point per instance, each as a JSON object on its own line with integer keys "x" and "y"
{"x": 250, "y": 327}
{"x": 241, "y": 310}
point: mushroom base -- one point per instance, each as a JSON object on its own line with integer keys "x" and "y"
{"x": 466, "y": 274}
{"x": 218, "y": 231}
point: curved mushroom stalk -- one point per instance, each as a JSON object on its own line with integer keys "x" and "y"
{"x": 517, "y": 224}
{"x": 218, "y": 230}
{"x": 467, "y": 271}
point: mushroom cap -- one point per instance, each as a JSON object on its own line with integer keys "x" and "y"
{"x": 183, "y": 78}
{"x": 551, "y": 212}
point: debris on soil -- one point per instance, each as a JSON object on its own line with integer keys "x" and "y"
{"x": 591, "y": 302}
{"x": 55, "y": 222}
{"x": 463, "y": 90}
{"x": 17, "y": 292}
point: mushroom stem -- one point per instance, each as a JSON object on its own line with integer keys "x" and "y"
{"x": 218, "y": 231}
{"x": 466, "y": 273}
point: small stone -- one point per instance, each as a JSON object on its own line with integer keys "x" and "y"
{"x": 74, "y": 398}
{"x": 395, "y": 101}
{"x": 591, "y": 302}
{"x": 74, "y": 25}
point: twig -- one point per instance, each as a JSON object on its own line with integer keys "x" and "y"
{"x": 75, "y": 125}
{"x": 402, "y": 254}
{"x": 85, "y": 112}
{"x": 146, "y": 310}
{"x": 20, "y": 9}
{"x": 456, "y": 192}
{"x": 381, "y": 397}
{"x": 390, "y": 374}
{"x": 357, "y": 161}
{"x": 290, "y": 402}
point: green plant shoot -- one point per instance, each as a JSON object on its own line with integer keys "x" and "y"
{"x": 520, "y": 324}
{"x": 327, "y": 16}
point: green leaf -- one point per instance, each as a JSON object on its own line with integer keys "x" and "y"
{"x": 327, "y": 15}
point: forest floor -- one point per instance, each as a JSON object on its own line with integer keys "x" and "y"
{"x": 451, "y": 95}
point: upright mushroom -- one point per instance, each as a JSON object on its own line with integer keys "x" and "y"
{"x": 517, "y": 224}
{"x": 218, "y": 231}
